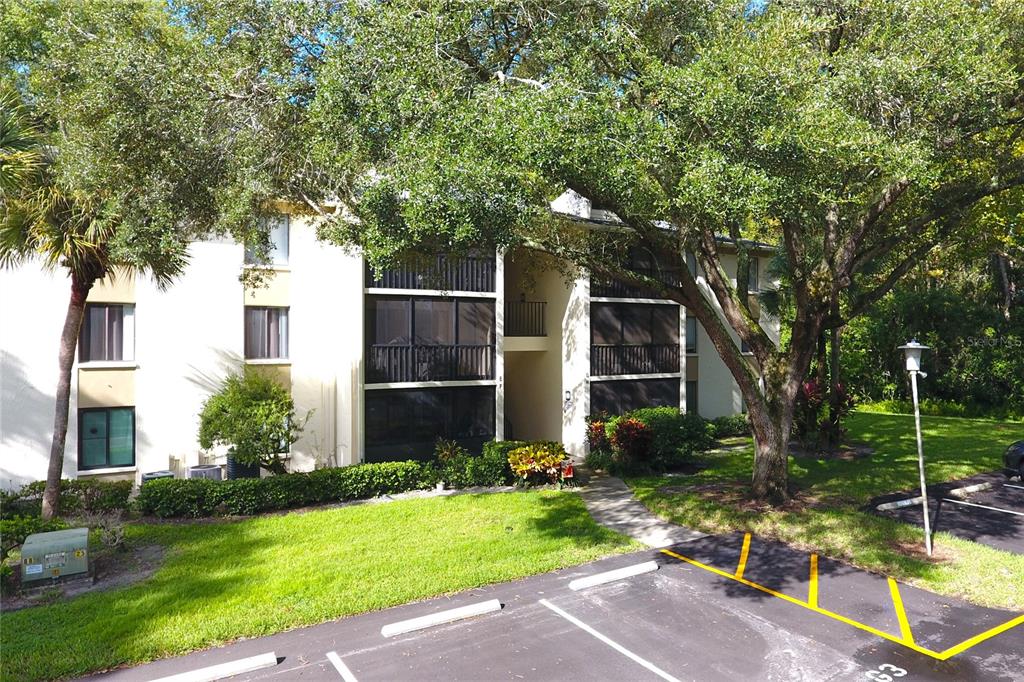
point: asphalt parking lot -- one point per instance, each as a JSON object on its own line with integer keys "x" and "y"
{"x": 993, "y": 517}
{"x": 718, "y": 608}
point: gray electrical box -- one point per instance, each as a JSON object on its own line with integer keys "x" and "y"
{"x": 55, "y": 554}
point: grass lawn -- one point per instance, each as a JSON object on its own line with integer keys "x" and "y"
{"x": 221, "y": 581}
{"x": 827, "y": 515}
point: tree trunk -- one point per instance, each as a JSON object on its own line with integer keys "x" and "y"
{"x": 771, "y": 467}
{"x": 834, "y": 391}
{"x": 68, "y": 345}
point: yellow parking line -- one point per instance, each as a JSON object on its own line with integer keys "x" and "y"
{"x": 901, "y": 614}
{"x": 812, "y": 589}
{"x": 908, "y": 643}
{"x": 978, "y": 639}
{"x": 743, "y": 556}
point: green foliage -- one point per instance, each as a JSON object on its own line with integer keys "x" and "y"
{"x": 77, "y": 496}
{"x": 631, "y": 443}
{"x": 445, "y": 450}
{"x": 538, "y": 462}
{"x": 976, "y": 359}
{"x": 731, "y": 425}
{"x": 254, "y": 416}
{"x": 196, "y": 498}
{"x": 15, "y": 529}
{"x": 599, "y": 460}
{"x": 944, "y": 408}
{"x": 675, "y": 435}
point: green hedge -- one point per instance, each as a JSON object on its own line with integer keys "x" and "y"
{"x": 83, "y": 495}
{"x": 14, "y": 530}
{"x": 195, "y": 498}
{"x": 676, "y": 435}
{"x": 732, "y": 425}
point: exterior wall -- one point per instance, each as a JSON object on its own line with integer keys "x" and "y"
{"x": 33, "y": 303}
{"x": 188, "y": 337}
{"x": 717, "y": 392}
{"x": 533, "y": 395}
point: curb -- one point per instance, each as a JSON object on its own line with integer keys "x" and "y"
{"x": 955, "y": 492}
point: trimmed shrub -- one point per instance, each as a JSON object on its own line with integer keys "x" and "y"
{"x": 499, "y": 449}
{"x": 675, "y": 435}
{"x": 539, "y": 462}
{"x": 597, "y": 437}
{"x": 172, "y": 498}
{"x": 631, "y": 441}
{"x": 195, "y": 498}
{"x": 733, "y": 425}
{"x": 77, "y": 496}
{"x": 13, "y": 531}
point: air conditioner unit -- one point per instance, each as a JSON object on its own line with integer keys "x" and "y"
{"x": 210, "y": 471}
{"x": 55, "y": 554}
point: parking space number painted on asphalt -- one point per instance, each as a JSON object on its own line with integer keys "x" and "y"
{"x": 886, "y": 672}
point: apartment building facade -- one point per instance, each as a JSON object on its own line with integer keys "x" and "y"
{"x": 489, "y": 346}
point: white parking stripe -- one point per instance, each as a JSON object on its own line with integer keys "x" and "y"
{"x": 982, "y": 506}
{"x": 340, "y": 666}
{"x": 618, "y": 647}
{"x": 219, "y": 672}
{"x": 610, "y": 576}
{"x": 1018, "y": 487}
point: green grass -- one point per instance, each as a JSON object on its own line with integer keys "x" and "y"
{"x": 828, "y": 517}
{"x": 222, "y": 581}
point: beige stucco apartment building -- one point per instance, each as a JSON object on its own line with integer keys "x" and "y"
{"x": 488, "y": 347}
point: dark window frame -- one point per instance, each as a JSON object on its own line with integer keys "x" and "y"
{"x": 85, "y": 347}
{"x": 287, "y": 332}
{"x": 692, "y": 396}
{"x": 82, "y": 411}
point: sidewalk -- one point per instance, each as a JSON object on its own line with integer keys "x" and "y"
{"x": 611, "y": 503}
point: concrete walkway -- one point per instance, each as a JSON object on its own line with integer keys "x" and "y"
{"x": 611, "y": 503}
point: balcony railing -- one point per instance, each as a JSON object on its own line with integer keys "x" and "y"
{"x": 429, "y": 363}
{"x": 525, "y": 318}
{"x": 634, "y": 359}
{"x": 471, "y": 273}
{"x": 616, "y": 289}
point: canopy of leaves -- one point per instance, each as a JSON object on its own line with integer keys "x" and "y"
{"x": 254, "y": 417}
{"x": 164, "y": 123}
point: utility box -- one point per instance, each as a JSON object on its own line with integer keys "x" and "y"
{"x": 55, "y": 554}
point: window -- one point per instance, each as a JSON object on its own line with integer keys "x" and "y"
{"x": 691, "y": 334}
{"x": 266, "y": 333}
{"x": 691, "y": 397}
{"x": 278, "y": 233}
{"x": 107, "y": 333}
{"x": 619, "y": 397}
{"x": 407, "y": 423}
{"x": 691, "y": 263}
{"x": 106, "y": 438}
{"x": 633, "y": 324}
{"x": 753, "y": 278}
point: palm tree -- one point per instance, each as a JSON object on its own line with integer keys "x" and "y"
{"x": 43, "y": 219}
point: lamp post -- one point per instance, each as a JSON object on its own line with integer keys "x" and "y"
{"x": 912, "y": 351}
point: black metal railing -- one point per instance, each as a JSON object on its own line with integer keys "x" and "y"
{"x": 525, "y": 318}
{"x": 652, "y": 358}
{"x": 429, "y": 363}
{"x": 615, "y": 289}
{"x": 469, "y": 273}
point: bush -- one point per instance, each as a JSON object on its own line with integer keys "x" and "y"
{"x": 946, "y": 408}
{"x": 733, "y": 425}
{"x": 597, "y": 437}
{"x": 13, "y": 531}
{"x": 199, "y": 497}
{"x": 446, "y": 450}
{"x": 674, "y": 435}
{"x": 631, "y": 442}
{"x": 539, "y": 462}
{"x": 254, "y": 417}
{"x": 77, "y": 496}
{"x": 599, "y": 460}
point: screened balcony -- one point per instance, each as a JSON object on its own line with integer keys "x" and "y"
{"x": 651, "y": 358}
{"x": 525, "y": 318}
{"x": 396, "y": 363}
{"x": 442, "y": 273}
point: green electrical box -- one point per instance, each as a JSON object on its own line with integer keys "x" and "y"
{"x": 55, "y": 554}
